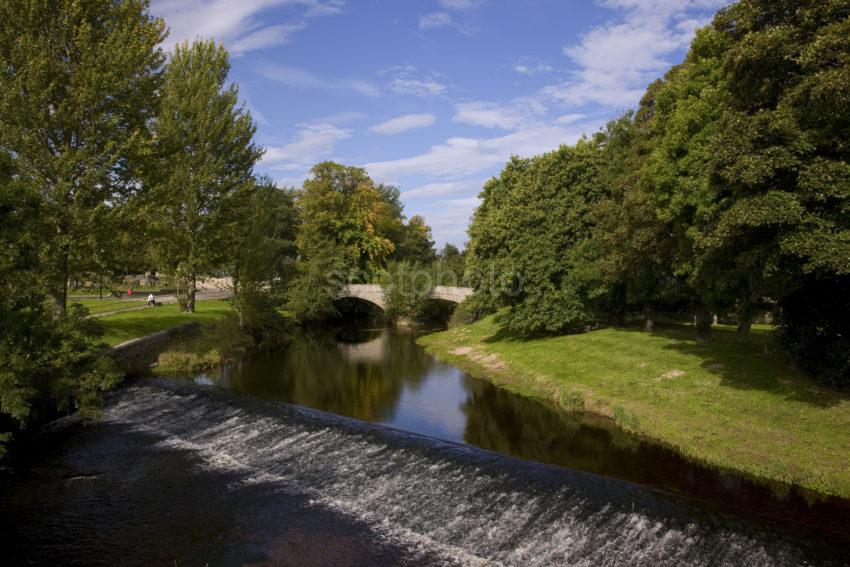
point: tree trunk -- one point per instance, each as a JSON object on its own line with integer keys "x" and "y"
{"x": 745, "y": 319}
{"x": 648, "y": 322}
{"x": 702, "y": 321}
{"x": 617, "y": 316}
{"x": 190, "y": 304}
{"x": 60, "y": 295}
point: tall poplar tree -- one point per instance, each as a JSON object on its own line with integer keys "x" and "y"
{"x": 77, "y": 85}
{"x": 206, "y": 160}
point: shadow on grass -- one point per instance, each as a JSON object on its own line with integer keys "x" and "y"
{"x": 751, "y": 362}
{"x": 747, "y": 362}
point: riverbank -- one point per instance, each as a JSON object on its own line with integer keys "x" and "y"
{"x": 734, "y": 403}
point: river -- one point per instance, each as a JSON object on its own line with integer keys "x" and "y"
{"x": 358, "y": 448}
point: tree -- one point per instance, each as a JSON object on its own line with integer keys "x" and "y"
{"x": 48, "y": 362}
{"x": 416, "y": 244}
{"x": 263, "y": 253}
{"x": 204, "y": 166}
{"x": 340, "y": 208}
{"x": 450, "y": 267}
{"x": 77, "y": 89}
{"x": 526, "y": 239}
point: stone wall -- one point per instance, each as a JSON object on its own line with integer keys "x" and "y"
{"x": 137, "y": 354}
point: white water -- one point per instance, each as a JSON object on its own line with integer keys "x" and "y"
{"x": 458, "y": 503}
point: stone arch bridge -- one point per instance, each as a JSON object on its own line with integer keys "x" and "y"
{"x": 374, "y": 293}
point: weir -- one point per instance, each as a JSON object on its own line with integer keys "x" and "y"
{"x": 442, "y": 502}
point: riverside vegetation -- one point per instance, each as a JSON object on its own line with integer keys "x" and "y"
{"x": 725, "y": 193}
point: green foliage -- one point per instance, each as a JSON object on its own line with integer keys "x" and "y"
{"x": 263, "y": 255}
{"x": 527, "y": 237}
{"x": 340, "y": 208}
{"x": 78, "y": 84}
{"x": 48, "y": 361}
{"x": 406, "y": 287}
{"x": 316, "y": 285}
{"x": 217, "y": 342}
{"x": 204, "y": 168}
{"x": 572, "y": 400}
{"x": 727, "y": 191}
{"x": 416, "y": 243}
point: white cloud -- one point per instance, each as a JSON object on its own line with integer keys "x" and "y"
{"x": 531, "y": 66}
{"x": 506, "y": 116}
{"x": 242, "y": 25}
{"x": 460, "y": 4}
{"x": 444, "y": 188}
{"x": 449, "y": 218}
{"x": 314, "y": 142}
{"x": 459, "y": 157}
{"x": 299, "y": 78}
{"x": 444, "y": 19}
{"x": 417, "y": 87}
{"x": 569, "y": 118}
{"x": 408, "y": 80}
{"x": 267, "y": 37}
{"x": 436, "y": 20}
{"x": 404, "y": 123}
{"x": 618, "y": 59}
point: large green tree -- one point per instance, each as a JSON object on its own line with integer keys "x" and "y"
{"x": 78, "y": 85}
{"x": 526, "y": 239}
{"x": 340, "y": 207}
{"x": 263, "y": 253}
{"x": 48, "y": 362}
{"x": 203, "y": 164}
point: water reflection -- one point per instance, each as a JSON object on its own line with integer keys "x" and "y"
{"x": 382, "y": 376}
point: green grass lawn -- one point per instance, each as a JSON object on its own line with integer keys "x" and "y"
{"x": 735, "y": 402}
{"x": 132, "y": 324}
{"x": 96, "y": 305}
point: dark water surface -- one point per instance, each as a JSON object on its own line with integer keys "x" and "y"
{"x": 199, "y": 473}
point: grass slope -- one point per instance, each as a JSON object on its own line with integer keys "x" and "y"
{"x": 125, "y": 326}
{"x": 735, "y": 402}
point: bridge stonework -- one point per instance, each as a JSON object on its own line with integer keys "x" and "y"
{"x": 374, "y": 293}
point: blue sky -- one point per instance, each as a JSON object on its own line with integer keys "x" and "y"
{"x": 435, "y": 95}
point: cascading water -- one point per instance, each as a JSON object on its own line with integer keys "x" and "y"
{"x": 420, "y": 500}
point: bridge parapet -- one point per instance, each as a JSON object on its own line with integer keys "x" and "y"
{"x": 374, "y": 293}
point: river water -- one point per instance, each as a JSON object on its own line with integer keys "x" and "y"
{"x": 358, "y": 448}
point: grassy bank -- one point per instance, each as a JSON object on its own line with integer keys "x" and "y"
{"x": 133, "y": 324}
{"x": 735, "y": 402}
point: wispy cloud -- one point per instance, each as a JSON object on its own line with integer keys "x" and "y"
{"x": 267, "y": 37}
{"x": 506, "y": 116}
{"x": 300, "y": 78}
{"x": 618, "y": 59}
{"x": 445, "y": 18}
{"x": 460, "y": 4}
{"x": 404, "y": 123}
{"x": 408, "y": 80}
{"x": 436, "y": 20}
{"x": 459, "y": 157}
{"x": 444, "y": 188}
{"x": 313, "y": 142}
{"x": 531, "y": 66}
{"x": 242, "y": 25}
